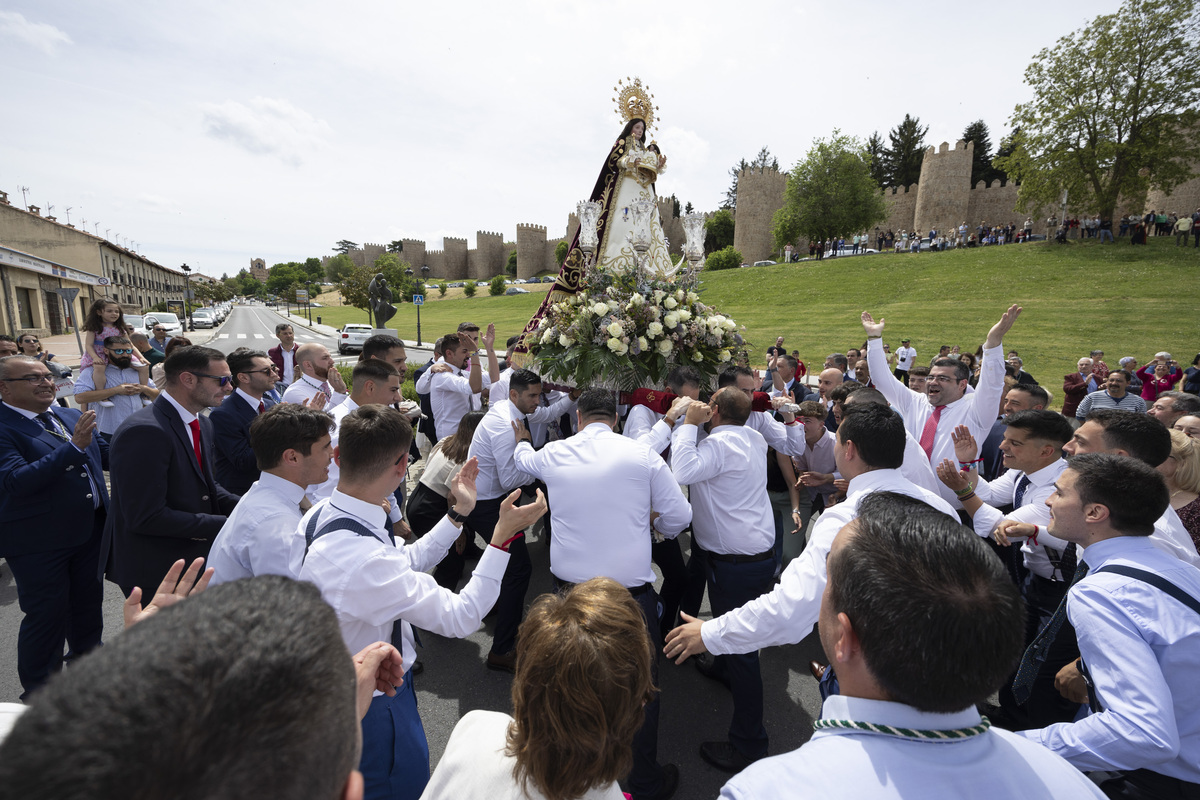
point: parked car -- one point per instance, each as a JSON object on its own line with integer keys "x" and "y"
{"x": 165, "y": 318}
{"x": 481, "y": 283}
{"x": 138, "y": 322}
{"x": 204, "y": 318}
{"x": 516, "y": 290}
{"x": 352, "y": 336}
{"x": 549, "y": 279}
{"x": 763, "y": 263}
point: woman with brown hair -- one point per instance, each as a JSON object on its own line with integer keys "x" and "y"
{"x": 582, "y": 679}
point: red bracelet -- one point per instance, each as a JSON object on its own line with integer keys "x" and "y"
{"x": 1033, "y": 539}
{"x": 504, "y": 546}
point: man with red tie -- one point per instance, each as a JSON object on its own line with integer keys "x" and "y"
{"x": 253, "y": 376}
{"x": 166, "y": 502}
{"x": 933, "y": 415}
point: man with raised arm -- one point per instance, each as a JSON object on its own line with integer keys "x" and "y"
{"x": 933, "y": 416}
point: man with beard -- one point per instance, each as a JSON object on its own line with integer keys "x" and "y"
{"x": 121, "y": 388}
{"x": 318, "y": 377}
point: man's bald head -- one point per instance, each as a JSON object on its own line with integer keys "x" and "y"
{"x": 828, "y": 379}
{"x": 314, "y": 359}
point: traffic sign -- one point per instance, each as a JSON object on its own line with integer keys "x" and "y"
{"x": 418, "y": 299}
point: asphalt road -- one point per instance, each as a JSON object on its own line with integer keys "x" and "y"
{"x": 694, "y": 709}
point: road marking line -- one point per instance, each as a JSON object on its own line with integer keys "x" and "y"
{"x": 259, "y": 336}
{"x": 223, "y": 336}
{"x": 241, "y": 336}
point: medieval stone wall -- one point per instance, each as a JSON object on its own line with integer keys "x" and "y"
{"x": 760, "y": 195}
{"x": 944, "y": 187}
{"x": 531, "y": 250}
{"x": 489, "y": 256}
{"x": 995, "y": 205}
{"x": 1184, "y": 199}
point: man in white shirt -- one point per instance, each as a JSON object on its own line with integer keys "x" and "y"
{"x": 1137, "y": 616}
{"x": 906, "y": 357}
{"x": 1032, "y": 453}
{"x": 733, "y": 527}
{"x": 380, "y": 589}
{"x": 318, "y": 376}
{"x": 933, "y": 416}
{"x": 453, "y": 382}
{"x": 294, "y": 448}
{"x": 612, "y": 493}
{"x": 905, "y": 724}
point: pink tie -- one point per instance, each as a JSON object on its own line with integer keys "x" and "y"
{"x": 930, "y": 429}
{"x": 325, "y": 388}
{"x": 261, "y": 407}
{"x": 195, "y": 426}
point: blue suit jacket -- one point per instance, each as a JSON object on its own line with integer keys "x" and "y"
{"x": 236, "y": 468}
{"x": 45, "y": 494}
{"x": 164, "y": 507}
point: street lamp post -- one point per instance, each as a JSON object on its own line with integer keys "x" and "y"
{"x": 409, "y": 273}
{"x": 309, "y": 286}
{"x": 187, "y": 306}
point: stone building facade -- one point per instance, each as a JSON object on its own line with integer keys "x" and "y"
{"x": 258, "y": 270}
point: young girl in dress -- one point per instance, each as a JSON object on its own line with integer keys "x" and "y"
{"x": 105, "y": 319}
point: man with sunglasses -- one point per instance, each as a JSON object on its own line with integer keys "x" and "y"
{"x": 159, "y": 338}
{"x": 254, "y": 376}
{"x": 121, "y": 388}
{"x": 53, "y": 503}
{"x": 166, "y": 501}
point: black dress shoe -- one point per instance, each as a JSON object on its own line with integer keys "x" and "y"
{"x": 418, "y": 667}
{"x": 670, "y": 782}
{"x": 706, "y": 665}
{"x": 817, "y": 669}
{"x": 502, "y": 663}
{"x": 725, "y": 757}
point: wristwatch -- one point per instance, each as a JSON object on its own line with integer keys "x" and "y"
{"x": 455, "y": 516}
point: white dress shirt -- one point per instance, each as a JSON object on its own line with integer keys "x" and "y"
{"x": 253, "y": 402}
{"x": 551, "y": 406}
{"x": 977, "y": 410}
{"x": 323, "y": 491}
{"x": 786, "y": 614}
{"x": 289, "y": 363}
{"x": 450, "y": 396}
{"x": 916, "y": 466}
{"x": 784, "y": 438}
{"x": 851, "y": 763}
{"x": 727, "y": 476}
{"x": 493, "y": 444}
{"x": 306, "y": 389}
{"x": 818, "y": 457}
{"x": 1003, "y": 491}
{"x": 1171, "y": 537}
{"x": 185, "y": 416}
{"x": 123, "y": 405}
{"x": 604, "y": 487}
{"x": 499, "y": 390}
{"x": 1142, "y": 648}
{"x": 648, "y": 427}
{"x": 371, "y": 582}
{"x": 257, "y": 537}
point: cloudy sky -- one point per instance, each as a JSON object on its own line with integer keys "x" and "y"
{"x": 212, "y": 133}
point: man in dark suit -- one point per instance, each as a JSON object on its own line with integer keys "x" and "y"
{"x": 236, "y": 468}
{"x": 53, "y": 504}
{"x": 166, "y": 503}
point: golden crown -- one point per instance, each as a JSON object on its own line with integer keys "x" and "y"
{"x": 634, "y": 101}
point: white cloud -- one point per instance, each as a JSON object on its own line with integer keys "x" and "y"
{"x": 266, "y": 126}
{"x": 39, "y": 35}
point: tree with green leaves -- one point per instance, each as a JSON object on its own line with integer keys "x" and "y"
{"x": 510, "y": 266}
{"x": 396, "y": 246}
{"x": 1114, "y": 110}
{"x": 906, "y": 152}
{"x": 830, "y": 193}
{"x": 496, "y": 286}
{"x": 560, "y": 252}
{"x": 469, "y": 289}
{"x": 316, "y": 272}
{"x": 442, "y": 288}
{"x": 725, "y": 258}
{"x": 338, "y": 267}
{"x": 981, "y": 156}
{"x": 764, "y": 160}
{"x": 688, "y": 208}
{"x": 282, "y": 277}
{"x": 718, "y": 230}
{"x": 345, "y": 246}
{"x": 880, "y": 168}
{"x": 353, "y": 288}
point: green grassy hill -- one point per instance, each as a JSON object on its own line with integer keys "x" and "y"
{"x": 1124, "y": 300}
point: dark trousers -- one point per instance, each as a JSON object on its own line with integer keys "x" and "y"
{"x": 669, "y": 557}
{"x": 697, "y": 578}
{"x": 60, "y": 594}
{"x": 1045, "y": 705}
{"x": 1143, "y": 784}
{"x": 730, "y": 586}
{"x": 901, "y": 375}
{"x": 395, "y": 752}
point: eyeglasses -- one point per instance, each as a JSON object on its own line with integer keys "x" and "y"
{"x": 32, "y": 379}
{"x": 160, "y": 330}
{"x": 942, "y": 378}
{"x": 122, "y": 352}
{"x": 29, "y": 340}
{"x": 222, "y": 379}
{"x": 264, "y": 371}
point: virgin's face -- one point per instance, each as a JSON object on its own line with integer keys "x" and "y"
{"x": 638, "y": 130}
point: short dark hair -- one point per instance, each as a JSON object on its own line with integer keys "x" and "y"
{"x": 792, "y": 362}
{"x": 451, "y": 342}
{"x": 287, "y": 426}
{"x": 903, "y": 558}
{"x": 839, "y": 359}
{"x": 190, "y": 358}
{"x": 113, "y": 341}
{"x": 4, "y": 337}
{"x": 1140, "y": 435}
{"x": 281, "y": 327}
{"x": 467, "y": 326}
{"x": 729, "y": 375}
{"x": 522, "y": 379}
{"x": 1128, "y": 376}
{"x": 1039, "y": 395}
{"x": 372, "y": 370}
{"x": 735, "y": 407}
{"x": 839, "y": 393}
{"x": 371, "y": 439}
{"x": 204, "y": 661}
{"x": 877, "y": 432}
{"x": 379, "y": 344}
{"x": 1134, "y": 493}
{"x": 512, "y": 341}
{"x": 242, "y": 361}
{"x": 918, "y": 371}
{"x": 864, "y": 394}
{"x": 683, "y": 376}
{"x": 597, "y": 404}
{"x": 961, "y": 371}
{"x": 1049, "y": 426}
{"x": 437, "y": 346}
{"x": 1183, "y": 402}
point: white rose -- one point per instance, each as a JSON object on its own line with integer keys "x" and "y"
{"x": 642, "y": 343}
{"x": 636, "y": 300}
{"x": 724, "y": 355}
{"x": 617, "y": 346}
{"x": 548, "y": 337}
{"x": 600, "y": 309}
{"x": 697, "y": 356}
{"x": 670, "y": 303}
{"x": 664, "y": 347}
{"x": 659, "y": 294}
{"x": 565, "y": 341}
{"x": 615, "y": 329}
{"x": 692, "y": 297}
{"x": 729, "y": 324}
{"x": 715, "y": 323}
{"x": 679, "y": 295}
{"x": 671, "y": 320}
{"x": 654, "y": 329}
{"x": 684, "y": 314}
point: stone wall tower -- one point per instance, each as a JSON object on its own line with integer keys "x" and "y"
{"x": 454, "y": 258}
{"x": 531, "y": 250}
{"x": 944, "y": 189}
{"x": 759, "y": 196}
